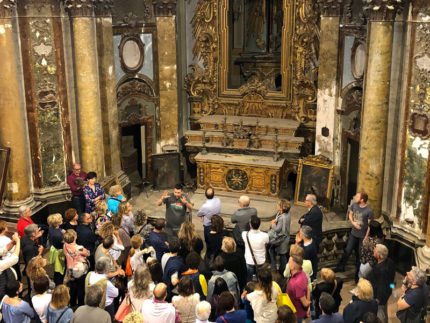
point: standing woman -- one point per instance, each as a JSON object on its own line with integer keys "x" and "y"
{"x": 15, "y": 309}
{"x": 214, "y": 239}
{"x": 189, "y": 240}
{"x": 56, "y": 254}
{"x": 280, "y": 229}
{"x": 93, "y": 193}
{"x": 70, "y": 219}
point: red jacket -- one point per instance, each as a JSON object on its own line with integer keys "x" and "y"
{"x": 22, "y": 223}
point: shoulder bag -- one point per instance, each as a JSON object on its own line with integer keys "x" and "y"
{"x": 257, "y": 266}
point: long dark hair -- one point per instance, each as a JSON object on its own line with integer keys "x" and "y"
{"x": 375, "y": 229}
{"x": 220, "y": 286}
{"x": 264, "y": 277}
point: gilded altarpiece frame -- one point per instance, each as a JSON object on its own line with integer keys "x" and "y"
{"x": 207, "y": 82}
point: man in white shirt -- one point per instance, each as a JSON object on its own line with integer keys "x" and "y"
{"x": 157, "y": 310}
{"x": 255, "y": 246}
{"x": 99, "y": 277}
{"x": 211, "y": 207}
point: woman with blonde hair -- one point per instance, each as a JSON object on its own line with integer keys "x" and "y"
{"x": 77, "y": 266}
{"x": 127, "y": 217}
{"x": 234, "y": 260}
{"x": 140, "y": 287}
{"x": 330, "y": 284}
{"x": 59, "y": 311}
{"x": 56, "y": 255}
{"x": 108, "y": 229}
{"x": 280, "y": 235}
{"x": 189, "y": 240}
{"x": 362, "y": 302}
{"x": 35, "y": 270}
{"x": 116, "y": 197}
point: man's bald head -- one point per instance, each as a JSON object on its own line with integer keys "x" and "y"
{"x": 244, "y": 201}
{"x": 210, "y": 193}
{"x": 160, "y": 292}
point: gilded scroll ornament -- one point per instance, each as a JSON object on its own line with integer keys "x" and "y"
{"x": 164, "y": 8}
{"x": 330, "y": 8}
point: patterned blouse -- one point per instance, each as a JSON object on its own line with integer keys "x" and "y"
{"x": 367, "y": 250}
{"x": 91, "y": 195}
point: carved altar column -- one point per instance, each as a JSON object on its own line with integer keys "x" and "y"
{"x": 327, "y": 78}
{"x": 374, "y": 124}
{"x": 87, "y": 85}
{"x": 13, "y": 132}
{"x": 165, "y": 12}
{"x": 108, "y": 87}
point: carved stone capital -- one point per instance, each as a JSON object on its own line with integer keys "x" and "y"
{"x": 383, "y": 10}
{"x": 420, "y": 9}
{"x": 6, "y": 8}
{"x": 80, "y": 8}
{"x": 330, "y": 8}
{"x": 164, "y": 8}
{"x": 103, "y": 8}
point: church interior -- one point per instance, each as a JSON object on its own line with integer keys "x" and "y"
{"x": 273, "y": 99}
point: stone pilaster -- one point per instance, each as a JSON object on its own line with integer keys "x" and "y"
{"x": 381, "y": 16}
{"x": 165, "y": 11}
{"x": 108, "y": 87}
{"x": 13, "y": 132}
{"x": 327, "y": 78}
{"x": 85, "y": 57}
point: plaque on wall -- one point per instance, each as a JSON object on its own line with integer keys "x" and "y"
{"x": 165, "y": 169}
{"x": 314, "y": 176}
{"x": 358, "y": 59}
{"x": 4, "y": 163}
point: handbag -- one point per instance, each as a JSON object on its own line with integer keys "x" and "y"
{"x": 277, "y": 239}
{"x": 410, "y": 316}
{"x": 80, "y": 268}
{"x": 125, "y": 308}
{"x": 284, "y": 299}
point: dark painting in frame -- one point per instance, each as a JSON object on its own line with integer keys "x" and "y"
{"x": 4, "y": 164}
{"x": 314, "y": 176}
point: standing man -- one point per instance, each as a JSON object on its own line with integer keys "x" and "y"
{"x": 177, "y": 204}
{"x": 75, "y": 181}
{"x": 382, "y": 278}
{"x": 255, "y": 246}
{"x": 313, "y": 218}
{"x": 359, "y": 215}
{"x": 24, "y": 220}
{"x": 297, "y": 287}
{"x": 211, "y": 207}
{"x": 242, "y": 217}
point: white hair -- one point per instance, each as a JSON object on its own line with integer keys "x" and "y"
{"x": 244, "y": 200}
{"x": 420, "y": 277}
{"x": 312, "y": 198}
{"x": 382, "y": 251}
{"x": 22, "y": 209}
{"x": 203, "y": 310}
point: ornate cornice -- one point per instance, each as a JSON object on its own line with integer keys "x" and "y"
{"x": 383, "y": 10}
{"x": 103, "y": 8}
{"x": 7, "y": 8}
{"x": 80, "y": 8}
{"x": 330, "y": 8}
{"x": 164, "y": 8}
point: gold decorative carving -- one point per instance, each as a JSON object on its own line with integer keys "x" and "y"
{"x": 133, "y": 87}
{"x": 383, "y": 10}
{"x": 207, "y": 81}
{"x": 80, "y": 8}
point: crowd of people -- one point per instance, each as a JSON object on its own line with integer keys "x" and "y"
{"x": 110, "y": 264}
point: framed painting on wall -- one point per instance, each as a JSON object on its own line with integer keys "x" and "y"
{"x": 314, "y": 176}
{"x": 4, "y": 164}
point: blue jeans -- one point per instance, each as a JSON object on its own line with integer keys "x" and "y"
{"x": 353, "y": 244}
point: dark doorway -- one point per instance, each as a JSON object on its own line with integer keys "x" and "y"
{"x": 131, "y": 150}
{"x": 352, "y": 168}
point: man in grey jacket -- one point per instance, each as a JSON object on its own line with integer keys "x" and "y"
{"x": 241, "y": 217}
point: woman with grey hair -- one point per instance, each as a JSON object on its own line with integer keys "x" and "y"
{"x": 412, "y": 305}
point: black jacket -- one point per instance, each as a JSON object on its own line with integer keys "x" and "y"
{"x": 354, "y": 311}
{"x": 86, "y": 237}
{"x": 314, "y": 219}
{"x": 381, "y": 277}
